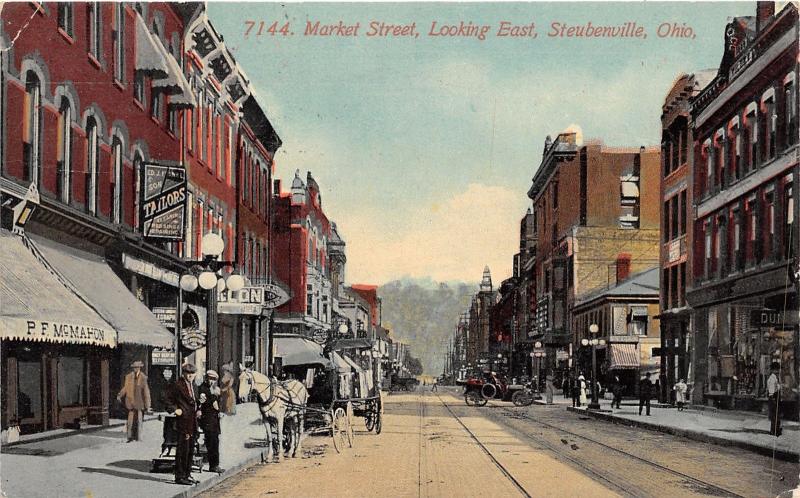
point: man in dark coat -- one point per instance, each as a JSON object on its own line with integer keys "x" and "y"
{"x": 617, "y": 389}
{"x": 576, "y": 392}
{"x": 182, "y": 401}
{"x": 209, "y": 397}
{"x": 645, "y": 392}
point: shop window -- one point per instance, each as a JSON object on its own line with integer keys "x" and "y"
{"x": 64, "y": 147}
{"x": 66, "y": 17}
{"x": 71, "y": 381}
{"x": 29, "y": 390}
{"x": 119, "y": 42}
{"x": 95, "y": 29}
{"x": 32, "y": 128}
{"x": 92, "y": 184}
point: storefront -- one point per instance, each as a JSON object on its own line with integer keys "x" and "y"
{"x": 56, "y": 348}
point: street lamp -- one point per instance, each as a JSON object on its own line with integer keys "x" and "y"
{"x": 594, "y": 342}
{"x": 205, "y": 274}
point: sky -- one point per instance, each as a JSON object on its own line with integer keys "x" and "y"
{"x": 424, "y": 147}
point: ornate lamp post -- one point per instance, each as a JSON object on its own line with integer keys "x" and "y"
{"x": 204, "y": 274}
{"x": 538, "y": 354}
{"x": 594, "y": 342}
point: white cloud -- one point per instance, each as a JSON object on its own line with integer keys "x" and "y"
{"x": 448, "y": 239}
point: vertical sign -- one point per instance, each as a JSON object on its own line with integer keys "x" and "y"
{"x": 163, "y": 203}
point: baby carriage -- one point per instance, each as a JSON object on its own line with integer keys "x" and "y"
{"x": 166, "y": 460}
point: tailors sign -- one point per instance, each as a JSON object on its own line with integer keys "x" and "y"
{"x": 163, "y": 201}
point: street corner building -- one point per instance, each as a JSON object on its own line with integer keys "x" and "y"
{"x": 129, "y": 135}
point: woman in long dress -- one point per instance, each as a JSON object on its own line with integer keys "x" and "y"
{"x": 227, "y": 397}
{"x": 584, "y": 399}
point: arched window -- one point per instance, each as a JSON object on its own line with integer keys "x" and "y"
{"x": 64, "y": 150}
{"x": 116, "y": 181}
{"x": 32, "y": 128}
{"x": 92, "y": 166}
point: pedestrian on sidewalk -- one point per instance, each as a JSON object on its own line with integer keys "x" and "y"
{"x": 435, "y": 383}
{"x": 227, "y": 399}
{"x": 616, "y": 389}
{"x": 576, "y": 392}
{"x": 182, "y": 402}
{"x": 582, "y": 388}
{"x": 135, "y": 393}
{"x": 565, "y": 385}
{"x": 209, "y": 418}
{"x": 680, "y": 394}
{"x": 550, "y": 389}
{"x": 774, "y": 393}
{"x": 645, "y": 392}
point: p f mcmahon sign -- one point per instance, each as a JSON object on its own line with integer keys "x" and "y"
{"x": 163, "y": 201}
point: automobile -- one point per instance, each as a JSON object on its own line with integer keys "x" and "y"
{"x": 479, "y": 389}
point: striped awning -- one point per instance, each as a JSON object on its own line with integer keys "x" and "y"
{"x": 623, "y": 356}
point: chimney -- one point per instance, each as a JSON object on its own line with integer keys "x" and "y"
{"x": 764, "y": 12}
{"x": 623, "y": 267}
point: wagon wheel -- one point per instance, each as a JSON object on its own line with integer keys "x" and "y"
{"x": 378, "y": 422}
{"x": 339, "y": 428}
{"x": 473, "y": 398}
{"x": 351, "y": 438}
{"x": 369, "y": 420}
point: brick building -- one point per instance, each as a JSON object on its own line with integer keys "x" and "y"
{"x": 300, "y": 261}
{"x": 677, "y": 164}
{"x": 90, "y": 92}
{"x": 478, "y": 325}
{"x": 745, "y": 167}
{"x": 595, "y": 221}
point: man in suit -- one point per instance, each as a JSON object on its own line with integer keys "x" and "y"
{"x": 182, "y": 401}
{"x": 774, "y": 394}
{"x": 135, "y": 393}
{"x": 645, "y": 392}
{"x": 209, "y": 397}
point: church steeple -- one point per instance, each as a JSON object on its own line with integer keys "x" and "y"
{"x": 486, "y": 283}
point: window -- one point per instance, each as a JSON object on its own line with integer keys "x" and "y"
{"x": 735, "y": 151}
{"x": 682, "y": 286}
{"x": 674, "y": 215}
{"x": 156, "y": 99}
{"x": 555, "y": 195}
{"x": 71, "y": 381}
{"x": 66, "y": 17}
{"x": 172, "y": 120}
{"x": 116, "y": 181}
{"x": 738, "y": 239}
{"x": 64, "y": 147}
{"x": 309, "y": 301}
{"x": 719, "y": 158}
{"x": 119, "y": 42}
{"x": 638, "y": 320}
{"x": 32, "y": 128}
{"x": 751, "y": 135}
{"x": 95, "y": 29}
{"x": 770, "y": 123}
{"x": 708, "y": 153}
{"x": 137, "y": 171}
{"x": 92, "y": 146}
{"x": 665, "y": 228}
{"x": 790, "y": 111}
{"x": 683, "y": 213}
{"x": 788, "y": 215}
{"x": 138, "y": 86}
{"x": 770, "y": 222}
{"x": 708, "y": 249}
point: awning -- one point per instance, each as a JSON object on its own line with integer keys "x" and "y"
{"x": 148, "y": 56}
{"x": 623, "y": 356}
{"x": 630, "y": 189}
{"x": 175, "y": 83}
{"x": 353, "y": 364}
{"x": 297, "y": 350}
{"x": 341, "y": 365}
{"x": 359, "y": 343}
{"x": 38, "y": 306}
{"x": 638, "y": 311}
{"x": 92, "y": 278}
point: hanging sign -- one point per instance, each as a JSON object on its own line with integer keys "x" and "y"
{"x": 274, "y": 296}
{"x": 245, "y": 301}
{"x": 193, "y": 339}
{"x": 163, "y": 203}
{"x": 161, "y": 356}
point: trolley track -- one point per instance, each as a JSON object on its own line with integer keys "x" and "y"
{"x": 486, "y": 451}
{"x": 599, "y": 472}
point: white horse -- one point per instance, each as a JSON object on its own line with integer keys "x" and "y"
{"x": 280, "y": 403}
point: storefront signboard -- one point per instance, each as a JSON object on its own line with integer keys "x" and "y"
{"x": 247, "y": 301}
{"x": 163, "y": 357}
{"x": 55, "y": 331}
{"x": 772, "y": 318}
{"x": 193, "y": 339}
{"x": 150, "y": 270}
{"x": 165, "y": 315}
{"x": 163, "y": 204}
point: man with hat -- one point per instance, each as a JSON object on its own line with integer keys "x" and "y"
{"x": 182, "y": 401}
{"x": 136, "y": 394}
{"x": 774, "y": 394}
{"x": 209, "y": 394}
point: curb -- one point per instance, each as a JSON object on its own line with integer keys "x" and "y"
{"x": 76, "y": 432}
{"x": 191, "y": 491}
{"x": 786, "y": 455}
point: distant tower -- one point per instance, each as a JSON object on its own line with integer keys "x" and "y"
{"x": 486, "y": 283}
{"x": 298, "y": 189}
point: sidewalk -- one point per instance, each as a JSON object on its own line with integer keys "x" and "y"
{"x": 749, "y": 431}
{"x": 100, "y": 463}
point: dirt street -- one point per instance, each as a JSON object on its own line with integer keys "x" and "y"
{"x": 433, "y": 445}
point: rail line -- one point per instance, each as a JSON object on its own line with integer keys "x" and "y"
{"x": 486, "y": 450}
{"x": 624, "y": 488}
